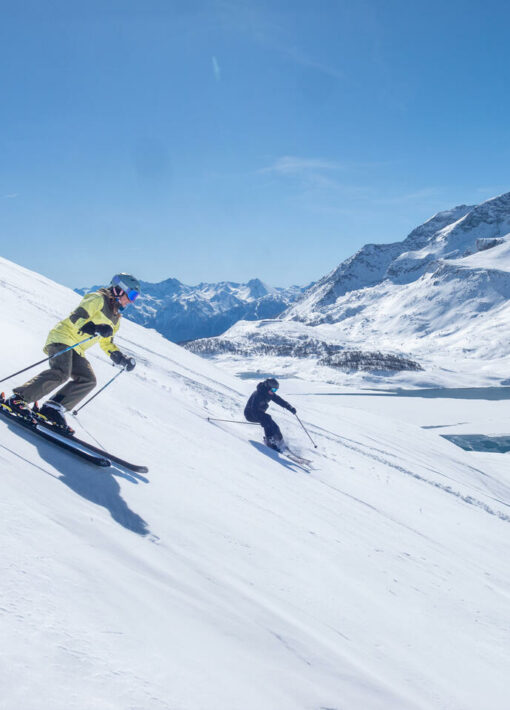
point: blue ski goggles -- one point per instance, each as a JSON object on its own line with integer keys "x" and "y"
{"x": 131, "y": 293}
{"x": 274, "y": 389}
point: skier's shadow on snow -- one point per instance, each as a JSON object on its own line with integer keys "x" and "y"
{"x": 274, "y": 455}
{"x": 98, "y": 485}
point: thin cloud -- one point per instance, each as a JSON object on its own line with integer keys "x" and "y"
{"x": 492, "y": 191}
{"x": 267, "y": 26}
{"x": 418, "y": 195}
{"x": 216, "y": 69}
{"x": 320, "y": 187}
{"x": 303, "y": 60}
{"x": 10, "y": 196}
{"x": 292, "y": 165}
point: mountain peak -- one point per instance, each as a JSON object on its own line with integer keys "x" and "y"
{"x": 449, "y": 234}
{"x": 258, "y": 289}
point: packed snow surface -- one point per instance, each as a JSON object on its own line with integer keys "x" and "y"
{"x": 228, "y": 577}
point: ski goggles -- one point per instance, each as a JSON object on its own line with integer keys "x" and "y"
{"x": 131, "y": 293}
{"x": 274, "y": 389}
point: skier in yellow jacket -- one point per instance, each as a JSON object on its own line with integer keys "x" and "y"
{"x": 98, "y": 314}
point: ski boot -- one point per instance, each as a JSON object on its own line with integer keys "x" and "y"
{"x": 275, "y": 444}
{"x": 16, "y": 405}
{"x": 53, "y": 413}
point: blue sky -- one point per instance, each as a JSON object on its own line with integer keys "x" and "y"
{"x": 230, "y": 139}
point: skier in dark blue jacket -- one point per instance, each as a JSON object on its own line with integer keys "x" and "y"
{"x": 255, "y": 411}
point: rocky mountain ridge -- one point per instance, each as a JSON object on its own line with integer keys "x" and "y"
{"x": 181, "y": 312}
{"x": 448, "y": 235}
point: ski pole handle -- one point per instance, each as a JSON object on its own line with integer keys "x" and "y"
{"x": 299, "y": 420}
{"x": 71, "y": 347}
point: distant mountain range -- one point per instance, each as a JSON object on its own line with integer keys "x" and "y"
{"x": 443, "y": 289}
{"x": 182, "y": 313}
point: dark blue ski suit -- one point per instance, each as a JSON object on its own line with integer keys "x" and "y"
{"x": 255, "y": 410}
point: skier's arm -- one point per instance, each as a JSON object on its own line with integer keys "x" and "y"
{"x": 90, "y": 304}
{"x": 283, "y": 403}
{"x": 116, "y": 355}
{"x": 108, "y": 346}
{"x": 83, "y": 318}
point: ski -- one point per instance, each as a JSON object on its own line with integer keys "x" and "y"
{"x": 74, "y": 447}
{"x": 285, "y": 451}
{"x": 297, "y": 459}
{"x": 30, "y": 424}
{"x": 96, "y": 449}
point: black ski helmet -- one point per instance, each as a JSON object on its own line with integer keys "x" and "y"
{"x": 271, "y": 383}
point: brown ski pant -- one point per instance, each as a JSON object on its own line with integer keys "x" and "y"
{"x": 65, "y": 366}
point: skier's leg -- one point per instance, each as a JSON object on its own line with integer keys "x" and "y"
{"x": 83, "y": 381}
{"x": 46, "y": 381}
{"x": 272, "y": 432}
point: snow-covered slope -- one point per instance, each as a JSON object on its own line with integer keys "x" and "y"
{"x": 293, "y": 342}
{"x": 442, "y": 293}
{"x": 228, "y": 578}
{"x": 181, "y": 312}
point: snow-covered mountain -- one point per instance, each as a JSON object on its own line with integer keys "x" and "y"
{"x": 181, "y": 312}
{"x": 230, "y": 578}
{"x": 444, "y": 290}
{"x": 429, "y": 250}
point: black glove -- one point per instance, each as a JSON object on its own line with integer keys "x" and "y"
{"x": 129, "y": 363}
{"x": 120, "y": 359}
{"x": 102, "y": 329}
{"x": 292, "y": 410}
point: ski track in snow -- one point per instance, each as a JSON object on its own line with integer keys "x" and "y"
{"x": 401, "y": 469}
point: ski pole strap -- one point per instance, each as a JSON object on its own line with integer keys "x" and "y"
{"x": 75, "y": 412}
{"x": 71, "y": 347}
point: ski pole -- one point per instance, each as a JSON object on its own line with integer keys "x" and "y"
{"x": 71, "y": 347}
{"x": 299, "y": 420}
{"x": 75, "y": 411}
{"x": 232, "y": 421}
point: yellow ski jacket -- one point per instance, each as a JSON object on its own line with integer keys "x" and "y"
{"x": 98, "y": 307}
